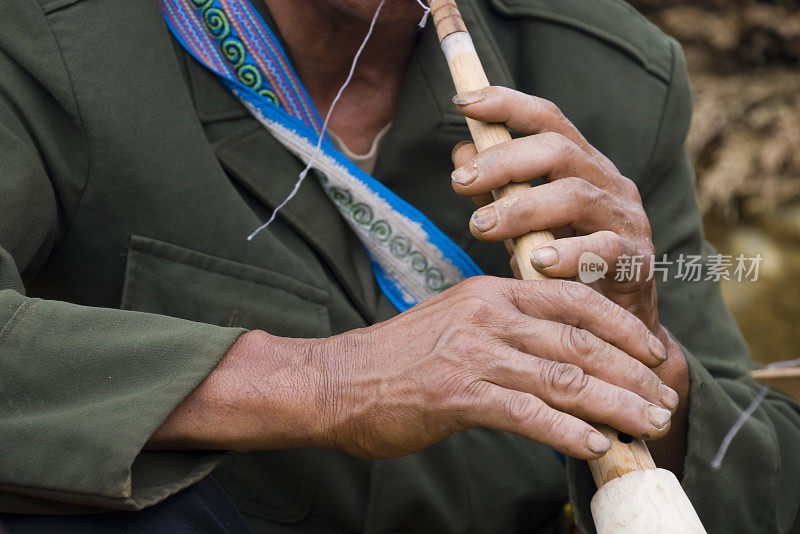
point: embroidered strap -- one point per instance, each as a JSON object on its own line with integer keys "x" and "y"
{"x": 412, "y": 259}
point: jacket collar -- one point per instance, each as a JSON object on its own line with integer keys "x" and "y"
{"x": 426, "y": 120}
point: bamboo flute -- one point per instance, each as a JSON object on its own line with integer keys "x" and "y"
{"x": 634, "y": 496}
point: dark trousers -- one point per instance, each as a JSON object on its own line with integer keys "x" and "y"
{"x": 199, "y": 509}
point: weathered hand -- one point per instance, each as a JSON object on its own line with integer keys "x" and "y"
{"x": 587, "y": 203}
{"x": 534, "y": 358}
{"x": 591, "y": 206}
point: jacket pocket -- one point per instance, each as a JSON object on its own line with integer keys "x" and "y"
{"x": 171, "y": 280}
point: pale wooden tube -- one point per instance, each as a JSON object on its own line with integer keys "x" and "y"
{"x": 625, "y": 456}
{"x": 650, "y": 501}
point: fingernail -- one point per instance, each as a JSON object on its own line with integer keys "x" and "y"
{"x": 470, "y": 97}
{"x": 659, "y": 417}
{"x": 656, "y": 347}
{"x": 467, "y": 174}
{"x": 544, "y": 257}
{"x": 597, "y": 442}
{"x": 459, "y": 146}
{"x": 485, "y": 218}
{"x": 669, "y": 398}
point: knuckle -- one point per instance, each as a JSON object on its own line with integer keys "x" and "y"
{"x": 555, "y": 141}
{"x": 587, "y": 194}
{"x": 452, "y": 388}
{"x": 518, "y": 291}
{"x": 618, "y": 399}
{"x": 637, "y": 373}
{"x": 564, "y": 147}
{"x": 628, "y": 188}
{"x": 611, "y": 242}
{"x": 567, "y": 380}
{"x": 570, "y": 291}
{"x": 479, "y": 311}
{"x": 618, "y": 315}
{"x": 549, "y": 110}
{"x": 478, "y": 286}
{"x": 599, "y": 306}
{"x": 591, "y": 195}
{"x": 471, "y": 392}
{"x": 557, "y": 431}
{"x": 522, "y": 409}
{"x": 579, "y": 341}
{"x": 458, "y": 343}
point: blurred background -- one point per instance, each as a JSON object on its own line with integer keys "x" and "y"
{"x": 744, "y": 60}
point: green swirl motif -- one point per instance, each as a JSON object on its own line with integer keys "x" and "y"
{"x": 249, "y": 75}
{"x": 216, "y": 22}
{"x": 418, "y": 261}
{"x": 381, "y": 231}
{"x": 362, "y": 214}
{"x": 342, "y": 197}
{"x": 400, "y": 246}
{"x": 270, "y": 95}
{"x": 435, "y": 280}
{"x": 234, "y": 52}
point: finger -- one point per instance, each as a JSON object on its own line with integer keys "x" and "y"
{"x": 548, "y": 155}
{"x": 567, "y": 388}
{"x": 524, "y": 414}
{"x": 462, "y": 154}
{"x": 524, "y": 113}
{"x": 560, "y": 343}
{"x": 569, "y": 202}
{"x": 567, "y": 258}
{"x": 579, "y": 306}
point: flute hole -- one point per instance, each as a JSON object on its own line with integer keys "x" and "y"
{"x": 624, "y": 438}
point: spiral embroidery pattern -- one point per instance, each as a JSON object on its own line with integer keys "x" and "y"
{"x": 224, "y": 36}
{"x": 380, "y": 231}
{"x": 412, "y": 259}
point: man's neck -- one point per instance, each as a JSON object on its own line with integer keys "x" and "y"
{"x": 323, "y": 39}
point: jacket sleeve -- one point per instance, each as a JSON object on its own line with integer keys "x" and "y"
{"x": 81, "y": 388}
{"x": 757, "y": 488}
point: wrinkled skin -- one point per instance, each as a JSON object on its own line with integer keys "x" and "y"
{"x": 527, "y": 357}
{"x": 535, "y": 358}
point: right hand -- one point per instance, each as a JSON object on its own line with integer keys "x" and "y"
{"x": 537, "y": 358}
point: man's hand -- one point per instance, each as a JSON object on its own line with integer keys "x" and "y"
{"x": 533, "y": 358}
{"x": 587, "y": 203}
{"x": 585, "y": 200}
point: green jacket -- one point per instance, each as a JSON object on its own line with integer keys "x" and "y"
{"x": 129, "y": 178}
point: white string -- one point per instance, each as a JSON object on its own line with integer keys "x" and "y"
{"x": 313, "y": 158}
{"x": 737, "y": 426}
{"x": 427, "y": 11}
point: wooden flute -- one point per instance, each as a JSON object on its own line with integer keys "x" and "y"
{"x": 634, "y": 496}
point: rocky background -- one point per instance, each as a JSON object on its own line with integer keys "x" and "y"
{"x": 744, "y": 59}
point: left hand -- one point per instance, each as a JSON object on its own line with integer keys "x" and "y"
{"x": 585, "y": 201}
